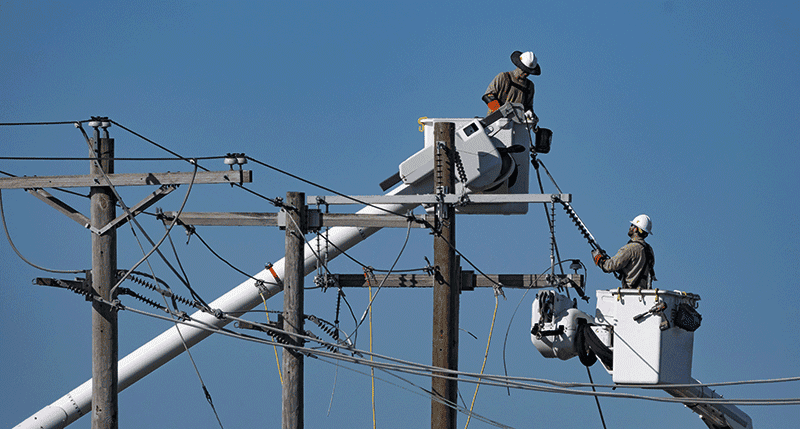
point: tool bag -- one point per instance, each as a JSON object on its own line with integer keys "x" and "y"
{"x": 686, "y": 317}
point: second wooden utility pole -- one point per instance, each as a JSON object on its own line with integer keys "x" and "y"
{"x": 105, "y": 340}
{"x": 445, "y": 287}
{"x": 292, "y": 397}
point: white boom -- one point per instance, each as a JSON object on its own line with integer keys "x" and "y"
{"x": 483, "y": 152}
{"x": 641, "y": 337}
{"x": 168, "y": 345}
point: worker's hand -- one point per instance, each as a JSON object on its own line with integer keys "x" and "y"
{"x": 531, "y": 118}
{"x": 599, "y": 257}
{"x": 491, "y": 101}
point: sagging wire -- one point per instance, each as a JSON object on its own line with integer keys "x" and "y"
{"x": 485, "y": 357}
{"x": 397, "y": 259}
{"x": 147, "y": 255}
{"x": 273, "y": 201}
{"x": 508, "y": 329}
{"x": 497, "y": 286}
{"x": 11, "y": 242}
{"x": 419, "y": 390}
{"x": 136, "y": 222}
{"x": 494, "y": 380}
{"x": 362, "y": 265}
{"x": 410, "y": 217}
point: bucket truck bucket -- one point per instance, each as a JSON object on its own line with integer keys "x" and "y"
{"x": 495, "y": 158}
{"x": 651, "y": 342}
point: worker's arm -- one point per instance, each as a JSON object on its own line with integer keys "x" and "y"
{"x": 491, "y": 101}
{"x": 615, "y": 263}
{"x": 490, "y": 96}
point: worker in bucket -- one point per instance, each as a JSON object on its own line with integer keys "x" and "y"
{"x": 634, "y": 262}
{"x": 514, "y": 86}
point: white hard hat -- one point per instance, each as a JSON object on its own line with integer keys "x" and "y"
{"x": 643, "y": 222}
{"x": 527, "y": 62}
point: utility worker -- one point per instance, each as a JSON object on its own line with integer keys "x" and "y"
{"x": 634, "y": 262}
{"x": 514, "y": 86}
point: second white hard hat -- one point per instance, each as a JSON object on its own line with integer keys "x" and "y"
{"x": 643, "y": 222}
{"x": 527, "y": 62}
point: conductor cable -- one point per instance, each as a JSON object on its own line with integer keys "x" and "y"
{"x": 11, "y": 242}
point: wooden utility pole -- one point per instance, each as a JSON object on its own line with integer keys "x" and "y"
{"x": 296, "y": 226}
{"x": 445, "y": 286}
{"x": 105, "y": 340}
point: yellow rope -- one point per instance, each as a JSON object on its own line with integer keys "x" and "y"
{"x": 483, "y": 366}
{"x": 277, "y": 360}
{"x": 372, "y": 368}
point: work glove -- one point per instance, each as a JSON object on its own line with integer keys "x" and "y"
{"x": 531, "y": 118}
{"x": 491, "y": 101}
{"x": 599, "y": 257}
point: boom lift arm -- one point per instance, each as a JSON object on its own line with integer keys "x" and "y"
{"x": 247, "y": 295}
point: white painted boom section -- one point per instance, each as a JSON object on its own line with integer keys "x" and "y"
{"x": 168, "y": 345}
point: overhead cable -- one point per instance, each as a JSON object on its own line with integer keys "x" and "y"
{"x": 522, "y": 383}
{"x": 11, "y": 242}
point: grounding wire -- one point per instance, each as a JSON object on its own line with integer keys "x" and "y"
{"x": 8, "y": 236}
{"x": 517, "y": 382}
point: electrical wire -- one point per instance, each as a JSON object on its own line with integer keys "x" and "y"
{"x": 277, "y": 360}
{"x": 175, "y": 154}
{"x": 136, "y": 222}
{"x": 596, "y": 399}
{"x": 409, "y": 217}
{"x": 485, "y": 357}
{"x": 147, "y": 255}
{"x": 371, "y": 370}
{"x": 52, "y": 158}
{"x": 522, "y": 383}
{"x": 11, "y": 242}
{"x": 369, "y": 305}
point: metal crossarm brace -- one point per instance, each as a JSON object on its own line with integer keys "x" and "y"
{"x": 141, "y": 206}
{"x": 61, "y": 206}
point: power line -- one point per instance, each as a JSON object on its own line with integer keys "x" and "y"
{"x": 522, "y": 383}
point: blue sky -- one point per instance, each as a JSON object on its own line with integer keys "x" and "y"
{"x": 683, "y": 110}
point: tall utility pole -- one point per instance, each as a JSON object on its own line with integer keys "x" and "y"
{"x": 445, "y": 286}
{"x": 105, "y": 340}
{"x": 296, "y": 226}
